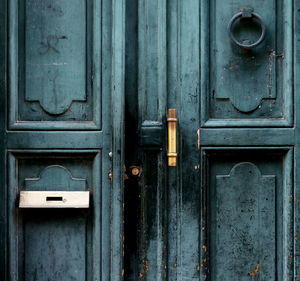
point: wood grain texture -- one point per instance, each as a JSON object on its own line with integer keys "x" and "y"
{"x": 117, "y": 126}
{"x": 54, "y": 140}
{"x": 152, "y": 106}
{"x": 247, "y": 137}
{"x": 183, "y": 183}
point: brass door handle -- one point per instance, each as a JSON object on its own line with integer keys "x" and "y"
{"x": 172, "y": 138}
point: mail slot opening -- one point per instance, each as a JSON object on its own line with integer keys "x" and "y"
{"x": 54, "y": 198}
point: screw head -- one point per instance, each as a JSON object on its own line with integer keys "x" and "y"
{"x": 110, "y": 175}
{"x": 135, "y": 171}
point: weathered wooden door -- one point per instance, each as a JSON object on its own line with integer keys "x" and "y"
{"x": 61, "y": 116}
{"x": 229, "y": 210}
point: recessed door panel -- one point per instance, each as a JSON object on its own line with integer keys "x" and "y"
{"x": 55, "y": 49}
{"x": 51, "y": 234}
{"x": 55, "y": 244}
{"x": 247, "y": 86}
{"x": 249, "y": 215}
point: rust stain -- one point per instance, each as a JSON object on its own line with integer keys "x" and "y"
{"x": 204, "y": 248}
{"x": 199, "y": 266}
{"x": 254, "y": 271}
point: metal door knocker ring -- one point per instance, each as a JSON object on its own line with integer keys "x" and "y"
{"x": 247, "y": 13}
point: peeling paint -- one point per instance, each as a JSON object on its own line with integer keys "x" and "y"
{"x": 270, "y": 68}
{"x": 254, "y": 271}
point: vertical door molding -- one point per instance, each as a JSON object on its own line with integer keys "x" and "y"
{"x": 152, "y": 97}
{"x": 296, "y": 61}
{"x": 117, "y": 109}
{"x": 3, "y": 170}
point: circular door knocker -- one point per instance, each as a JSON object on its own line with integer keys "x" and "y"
{"x": 246, "y": 13}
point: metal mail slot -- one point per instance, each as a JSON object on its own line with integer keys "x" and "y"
{"x": 54, "y": 199}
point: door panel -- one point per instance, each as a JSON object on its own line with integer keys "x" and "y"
{"x": 56, "y": 243}
{"x": 55, "y": 73}
{"x": 248, "y": 214}
{"x": 249, "y": 87}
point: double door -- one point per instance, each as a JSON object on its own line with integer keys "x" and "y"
{"x": 85, "y": 90}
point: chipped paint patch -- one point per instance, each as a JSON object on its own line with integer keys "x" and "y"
{"x": 254, "y": 272}
{"x": 204, "y": 248}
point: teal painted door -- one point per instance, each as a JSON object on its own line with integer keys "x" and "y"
{"x": 230, "y": 209}
{"x": 61, "y": 99}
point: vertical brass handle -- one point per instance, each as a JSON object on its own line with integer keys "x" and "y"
{"x": 172, "y": 143}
